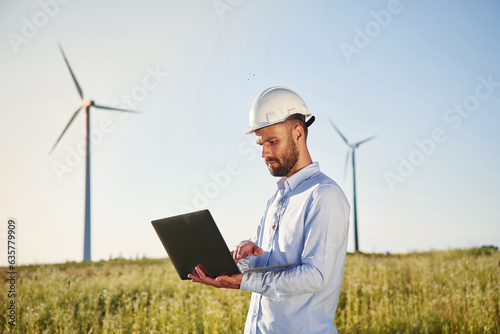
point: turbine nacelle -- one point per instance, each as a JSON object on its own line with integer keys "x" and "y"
{"x": 87, "y": 103}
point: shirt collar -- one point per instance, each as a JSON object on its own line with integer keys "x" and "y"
{"x": 287, "y": 184}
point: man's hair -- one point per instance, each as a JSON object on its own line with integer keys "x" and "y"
{"x": 297, "y": 119}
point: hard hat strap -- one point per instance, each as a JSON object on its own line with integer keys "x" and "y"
{"x": 310, "y": 121}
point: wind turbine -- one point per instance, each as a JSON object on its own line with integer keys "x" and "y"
{"x": 85, "y": 103}
{"x": 352, "y": 148}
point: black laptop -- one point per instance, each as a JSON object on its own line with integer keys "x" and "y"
{"x": 193, "y": 239}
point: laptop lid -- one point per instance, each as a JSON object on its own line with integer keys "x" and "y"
{"x": 194, "y": 239}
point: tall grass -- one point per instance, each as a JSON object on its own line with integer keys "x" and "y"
{"x": 436, "y": 292}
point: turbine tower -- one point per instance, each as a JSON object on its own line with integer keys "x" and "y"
{"x": 352, "y": 148}
{"x": 85, "y": 103}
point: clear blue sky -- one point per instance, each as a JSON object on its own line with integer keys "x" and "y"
{"x": 423, "y": 76}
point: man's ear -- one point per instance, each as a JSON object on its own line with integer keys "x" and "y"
{"x": 298, "y": 132}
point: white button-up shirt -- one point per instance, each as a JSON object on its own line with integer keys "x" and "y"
{"x": 306, "y": 223}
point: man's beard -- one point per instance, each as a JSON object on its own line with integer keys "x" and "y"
{"x": 287, "y": 161}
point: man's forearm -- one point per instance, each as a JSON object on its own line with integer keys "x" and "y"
{"x": 284, "y": 284}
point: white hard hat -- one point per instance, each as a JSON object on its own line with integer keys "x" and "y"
{"x": 275, "y": 105}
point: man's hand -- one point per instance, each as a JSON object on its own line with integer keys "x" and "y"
{"x": 228, "y": 282}
{"x": 244, "y": 249}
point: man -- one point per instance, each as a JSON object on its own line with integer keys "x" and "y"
{"x": 305, "y": 223}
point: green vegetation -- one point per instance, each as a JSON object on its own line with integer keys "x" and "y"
{"x": 454, "y": 291}
{"x": 436, "y": 292}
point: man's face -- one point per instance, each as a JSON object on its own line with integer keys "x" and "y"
{"x": 278, "y": 149}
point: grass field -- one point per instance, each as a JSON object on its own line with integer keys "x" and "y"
{"x": 455, "y": 291}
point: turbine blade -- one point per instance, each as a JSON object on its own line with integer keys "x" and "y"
{"x": 364, "y": 141}
{"x": 345, "y": 165}
{"x": 80, "y": 92}
{"x": 340, "y": 133}
{"x": 115, "y": 109}
{"x": 66, "y": 128}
